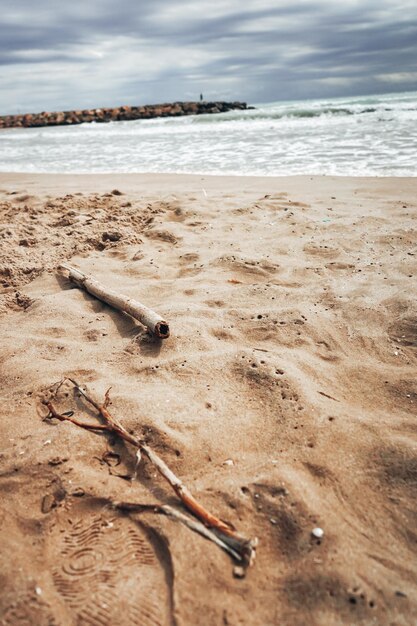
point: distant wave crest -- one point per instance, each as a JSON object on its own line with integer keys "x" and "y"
{"x": 302, "y": 113}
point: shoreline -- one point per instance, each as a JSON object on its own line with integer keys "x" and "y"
{"x": 42, "y": 180}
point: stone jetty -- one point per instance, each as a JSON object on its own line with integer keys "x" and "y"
{"x": 66, "y": 118}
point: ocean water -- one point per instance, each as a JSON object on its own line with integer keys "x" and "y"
{"x": 362, "y": 136}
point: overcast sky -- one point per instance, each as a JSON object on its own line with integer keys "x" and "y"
{"x": 57, "y": 54}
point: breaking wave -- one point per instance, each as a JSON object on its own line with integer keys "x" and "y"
{"x": 364, "y": 136}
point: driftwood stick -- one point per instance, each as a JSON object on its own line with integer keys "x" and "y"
{"x": 156, "y": 324}
{"x": 242, "y": 548}
{"x": 191, "y": 523}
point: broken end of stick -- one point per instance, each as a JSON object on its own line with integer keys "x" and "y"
{"x": 241, "y": 549}
{"x": 250, "y": 551}
{"x": 161, "y": 329}
{"x": 73, "y": 274}
{"x": 245, "y": 549}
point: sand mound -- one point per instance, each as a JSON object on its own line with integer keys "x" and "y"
{"x": 37, "y": 233}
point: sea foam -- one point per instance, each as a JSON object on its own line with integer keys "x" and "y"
{"x": 363, "y": 136}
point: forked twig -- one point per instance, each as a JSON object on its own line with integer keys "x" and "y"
{"x": 222, "y": 533}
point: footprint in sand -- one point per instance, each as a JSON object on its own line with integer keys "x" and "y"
{"x": 108, "y": 570}
{"x": 162, "y": 235}
{"x": 326, "y": 252}
{"x": 289, "y": 520}
{"x": 339, "y": 266}
{"x": 190, "y": 265}
{"x": 404, "y": 331}
{"x": 29, "y": 611}
{"x": 247, "y": 267}
{"x": 176, "y": 214}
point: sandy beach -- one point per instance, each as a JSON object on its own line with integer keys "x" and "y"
{"x": 285, "y": 399}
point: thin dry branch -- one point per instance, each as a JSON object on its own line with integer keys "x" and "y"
{"x": 240, "y": 547}
{"x": 66, "y": 417}
{"x": 191, "y": 523}
{"x": 156, "y": 324}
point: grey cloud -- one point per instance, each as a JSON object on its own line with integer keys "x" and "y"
{"x": 96, "y": 53}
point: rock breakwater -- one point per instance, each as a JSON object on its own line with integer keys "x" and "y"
{"x": 66, "y": 118}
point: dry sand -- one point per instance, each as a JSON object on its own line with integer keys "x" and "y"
{"x": 292, "y": 309}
